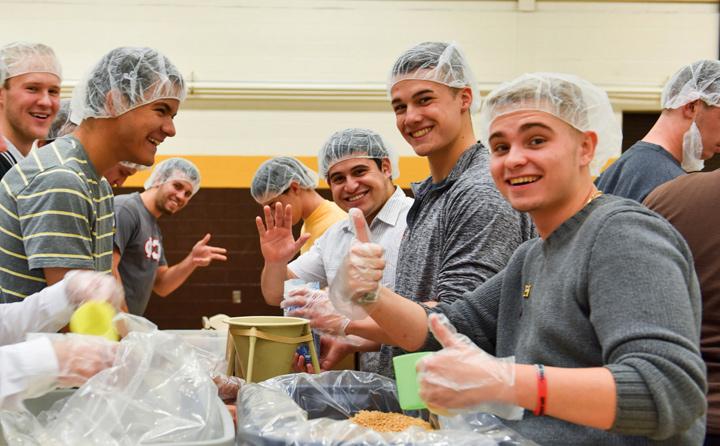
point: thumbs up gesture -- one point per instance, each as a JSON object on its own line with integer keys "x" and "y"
{"x": 203, "y": 254}
{"x": 358, "y": 278}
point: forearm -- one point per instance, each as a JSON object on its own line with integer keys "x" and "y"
{"x": 390, "y": 308}
{"x": 369, "y": 329}
{"x": 169, "y": 279}
{"x": 584, "y": 396}
{"x": 272, "y": 282}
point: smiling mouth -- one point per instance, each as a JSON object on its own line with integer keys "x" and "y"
{"x": 356, "y": 197}
{"x": 420, "y": 133}
{"x": 39, "y": 115}
{"x": 154, "y": 141}
{"x": 523, "y": 180}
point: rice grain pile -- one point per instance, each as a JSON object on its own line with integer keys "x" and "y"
{"x": 387, "y": 422}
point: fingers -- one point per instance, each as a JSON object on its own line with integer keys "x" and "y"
{"x": 204, "y": 240}
{"x": 361, "y": 230}
{"x": 443, "y": 331}
{"x": 269, "y": 220}
{"x": 279, "y": 216}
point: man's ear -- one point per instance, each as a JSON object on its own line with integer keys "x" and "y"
{"x": 587, "y": 147}
{"x": 110, "y": 106}
{"x": 689, "y": 110}
{"x": 466, "y": 98}
{"x": 386, "y": 167}
{"x": 294, "y": 187}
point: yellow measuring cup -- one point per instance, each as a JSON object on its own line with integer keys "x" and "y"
{"x": 94, "y": 318}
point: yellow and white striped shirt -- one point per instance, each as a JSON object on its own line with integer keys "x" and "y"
{"x": 55, "y": 212}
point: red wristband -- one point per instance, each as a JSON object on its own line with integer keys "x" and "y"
{"x": 542, "y": 391}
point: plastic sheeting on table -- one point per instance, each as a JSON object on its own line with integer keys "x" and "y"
{"x": 304, "y": 409}
{"x": 159, "y": 390}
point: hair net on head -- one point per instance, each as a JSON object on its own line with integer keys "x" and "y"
{"x": 174, "y": 169}
{"x": 275, "y": 175}
{"x": 438, "y": 62}
{"x": 699, "y": 80}
{"x": 124, "y": 79}
{"x": 61, "y": 125}
{"x": 569, "y": 98}
{"x": 22, "y": 58}
{"x": 355, "y": 143}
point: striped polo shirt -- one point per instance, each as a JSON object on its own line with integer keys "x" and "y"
{"x": 55, "y": 212}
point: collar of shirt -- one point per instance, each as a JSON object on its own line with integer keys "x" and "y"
{"x": 13, "y": 150}
{"x": 390, "y": 212}
{"x": 466, "y": 160}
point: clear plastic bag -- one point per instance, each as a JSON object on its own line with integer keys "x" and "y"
{"x": 159, "y": 390}
{"x": 304, "y": 409}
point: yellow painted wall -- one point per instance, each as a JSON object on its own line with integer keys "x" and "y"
{"x": 238, "y": 171}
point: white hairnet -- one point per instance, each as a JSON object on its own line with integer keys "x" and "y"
{"x": 61, "y": 125}
{"x": 124, "y": 79}
{"x": 22, "y": 58}
{"x": 355, "y": 143}
{"x": 438, "y": 62}
{"x": 174, "y": 169}
{"x": 699, "y": 80}
{"x": 3, "y": 72}
{"x": 569, "y": 98}
{"x": 275, "y": 175}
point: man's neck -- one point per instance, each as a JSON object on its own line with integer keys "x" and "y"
{"x": 549, "y": 219}
{"x": 98, "y": 146}
{"x": 311, "y": 200}
{"x": 443, "y": 161}
{"x": 668, "y": 133}
{"x": 148, "y": 199}
{"x": 23, "y": 145}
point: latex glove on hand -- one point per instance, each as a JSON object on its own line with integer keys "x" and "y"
{"x": 463, "y": 378}
{"x": 228, "y": 386}
{"x": 82, "y": 286}
{"x": 359, "y": 277}
{"x": 80, "y": 357}
{"x": 315, "y": 306}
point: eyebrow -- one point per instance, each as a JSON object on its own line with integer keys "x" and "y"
{"x": 523, "y": 128}
{"x": 419, "y": 93}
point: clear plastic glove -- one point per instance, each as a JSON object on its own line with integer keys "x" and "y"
{"x": 359, "y": 277}
{"x": 81, "y": 357}
{"x": 228, "y": 386}
{"x": 82, "y": 286}
{"x": 315, "y": 306}
{"x": 463, "y": 378}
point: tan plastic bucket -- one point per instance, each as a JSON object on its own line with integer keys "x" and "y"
{"x": 263, "y": 346}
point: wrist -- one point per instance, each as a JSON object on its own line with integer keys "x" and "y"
{"x": 526, "y": 387}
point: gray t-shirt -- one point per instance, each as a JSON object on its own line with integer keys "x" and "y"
{"x": 641, "y": 169}
{"x": 139, "y": 240}
{"x": 460, "y": 232}
{"x": 614, "y": 286}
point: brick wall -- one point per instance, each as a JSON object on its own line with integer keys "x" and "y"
{"x": 229, "y": 215}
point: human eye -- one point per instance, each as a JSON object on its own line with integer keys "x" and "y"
{"x": 537, "y": 141}
{"x": 425, "y": 100}
{"x": 499, "y": 148}
{"x": 399, "y": 109}
{"x": 337, "y": 179}
{"x": 54, "y": 92}
{"x": 31, "y": 88}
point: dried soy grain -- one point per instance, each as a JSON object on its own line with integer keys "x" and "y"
{"x": 387, "y": 422}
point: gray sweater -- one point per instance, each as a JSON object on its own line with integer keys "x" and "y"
{"x": 613, "y": 286}
{"x": 460, "y": 232}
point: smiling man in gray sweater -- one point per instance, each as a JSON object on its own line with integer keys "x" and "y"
{"x": 601, "y": 312}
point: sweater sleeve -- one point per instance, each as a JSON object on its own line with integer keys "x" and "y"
{"x": 648, "y": 324}
{"x": 481, "y": 234}
{"x": 475, "y": 315}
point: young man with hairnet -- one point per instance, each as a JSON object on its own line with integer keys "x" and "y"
{"x": 685, "y": 135}
{"x": 460, "y": 231}
{"x": 58, "y": 210}
{"x": 592, "y": 330}
{"x": 359, "y": 167}
{"x": 689, "y": 202}
{"x": 29, "y": 97}
{"x": 286, "y": 180}
{"x": 138, "y": 254}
